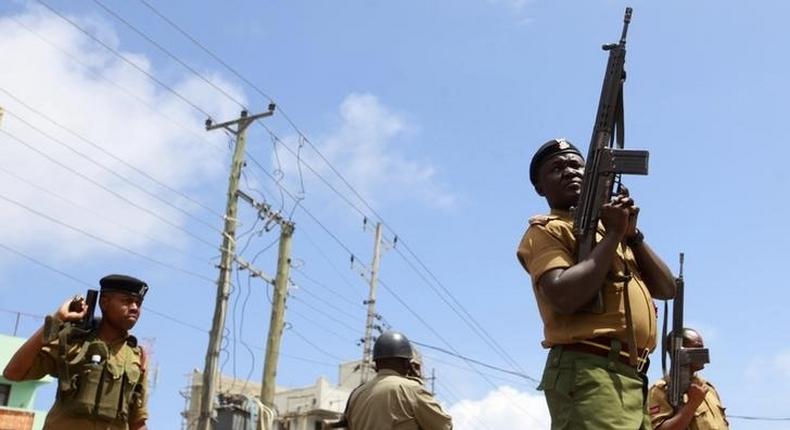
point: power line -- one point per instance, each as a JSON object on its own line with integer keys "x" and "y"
{"x": 109, "y": 154}
{"x": 472, "y": 360}
{"x": 323, "y": 327}
{"x": 435, "y": 358}
{"x": 105, "y": 188}
{"x": 331, "y": 234}
{"x": 324, "y": 313}
{"x": 168, "y": 53}
{"x": 146, "y": 309}
{"x": 330, "y": 305}
{"x": 105, "y": 241}
{"x": 450, "y": 346}
{"x": 468, "y": 318}
{"x": 753, "y": 418}
{"x": 328, "y": 288}
{"x": 297, "y": 199}
{"x": 99, "y": 215}
{"x": 124, "y": 59}
{"x": 110, "y": 171}
{"x": 124, "y": 90}
{"x": 316, "y": 347}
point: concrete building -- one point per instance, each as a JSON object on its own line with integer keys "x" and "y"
{"x": 17, "y": 398}
{"x": 302, "y": 408}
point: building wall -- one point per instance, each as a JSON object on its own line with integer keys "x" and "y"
{"x": 16, "y": 419}
{"x": 23, "y": 394}
{"x": 300, "y": 408}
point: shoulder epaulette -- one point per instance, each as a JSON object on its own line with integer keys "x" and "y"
{"x": 542, "y": 219}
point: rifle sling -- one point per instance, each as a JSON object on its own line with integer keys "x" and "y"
{"x": 664, "y": 345}
{"x": 629, "y": 319}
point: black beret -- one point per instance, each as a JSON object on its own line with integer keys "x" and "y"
{"x": 546, "y": 151}
{"x": 123, "y": 284}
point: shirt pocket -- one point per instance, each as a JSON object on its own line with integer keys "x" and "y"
{"x": 131, "y": 396}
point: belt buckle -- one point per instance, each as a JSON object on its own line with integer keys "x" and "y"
{"x": 641, "y": 361}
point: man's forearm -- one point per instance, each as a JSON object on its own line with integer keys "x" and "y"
{"x": 23, "y": 359}
{"x": 570, "y": 289}
{"x": 681, "y": 420}
{"x": 656, "y": 274}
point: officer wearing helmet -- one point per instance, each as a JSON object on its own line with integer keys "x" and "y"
{"x": 393, "y": 399}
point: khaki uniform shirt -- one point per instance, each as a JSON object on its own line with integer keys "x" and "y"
{"x": 394, "y": 402}
{"x": 549, "y": 244}
{"x": 708, "y": 416}
{"x": 122, "y": 358}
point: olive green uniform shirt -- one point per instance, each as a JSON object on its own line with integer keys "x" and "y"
{"x": 549, "y": 244}
{"x": 394, "y": 402}
{"x": 708, "y": 416}
{"x": 122, "y": 359}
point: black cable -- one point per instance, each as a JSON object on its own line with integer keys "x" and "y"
{"x": 107, "y": 242}
{"x": 100, "y": 215}
{"x": 111, "y": 171}
{"x": 168, "y": 53}
{"x": 108, "y": 153}
{"x": 106, "y": 188}
{"x": 753, "y": 418}
{"x": 89, "y": 69}
{"x": 478, "y": 362}
{"x": 124, "y": 59}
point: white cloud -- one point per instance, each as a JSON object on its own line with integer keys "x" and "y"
{"x": 47, "y": 79}
{"x": 781, "y": 362}
{"x": 515, "y": 4}
{"x": 504, "y": 408}
{"x": 364, "y": 148}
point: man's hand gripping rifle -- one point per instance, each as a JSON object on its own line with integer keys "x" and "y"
{"x": 606, "y": 158}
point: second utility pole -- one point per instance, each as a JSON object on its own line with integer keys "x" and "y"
{"x": 277, "y": 322}
{"x": 228, "y": 252}
{"x": 367, "y": 355}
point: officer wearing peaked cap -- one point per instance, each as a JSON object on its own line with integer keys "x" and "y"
{"x": 393, "y": 399}
{"x": 101, "y": 370}
{"x": 591, "y": 381}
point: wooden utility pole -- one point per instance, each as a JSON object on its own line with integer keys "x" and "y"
{"x": 367, "y": 354}
{"x": 228, "y": 251}
{"x": 277, "y": 321}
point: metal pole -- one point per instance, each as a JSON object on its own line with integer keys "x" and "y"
{"x": 367, "y": 355}
{"x": 16, "y": 324}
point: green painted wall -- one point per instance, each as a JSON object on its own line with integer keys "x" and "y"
{"x": 23, "y": 394}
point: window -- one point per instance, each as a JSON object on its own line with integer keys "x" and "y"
{"x": 5, "y": 394}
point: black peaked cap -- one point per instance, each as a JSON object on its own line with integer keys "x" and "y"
{"x": 546, "y": 151}
{"x": 123, "y": 284}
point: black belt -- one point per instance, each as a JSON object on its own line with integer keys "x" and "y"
{"x": 603, "y": 350}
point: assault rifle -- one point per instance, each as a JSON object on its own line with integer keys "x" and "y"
{"x": 682, "y": 358}
{"x": 606, "y": 158}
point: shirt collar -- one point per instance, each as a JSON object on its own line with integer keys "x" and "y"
{"x": 387, "y": 372}
{"x": 561, "y": 213}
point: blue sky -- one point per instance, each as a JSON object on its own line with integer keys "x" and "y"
{"x": 431, "y": 110}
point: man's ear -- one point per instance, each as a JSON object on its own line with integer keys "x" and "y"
{"x": 103, "y": 302}
{"x": 539, "y": 189}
